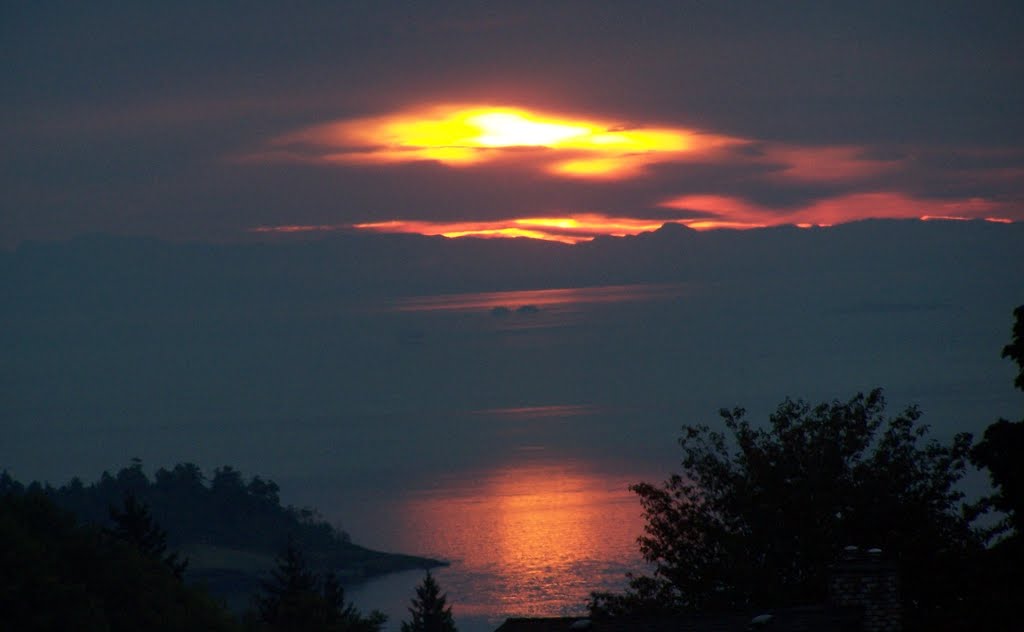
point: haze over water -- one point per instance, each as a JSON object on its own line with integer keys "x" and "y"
{"x": 498, "y": 428}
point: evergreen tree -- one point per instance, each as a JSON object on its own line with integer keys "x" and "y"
{"x": 58, "y": 575}
{"x": 297, "y": 599}
{"x": 429, "y": 610}
{"x": 135, "y": 525}
{"x": 289, "y": 599}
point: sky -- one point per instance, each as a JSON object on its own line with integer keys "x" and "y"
{"x": 148, "y": 149}
{"x": 239, "y": 121}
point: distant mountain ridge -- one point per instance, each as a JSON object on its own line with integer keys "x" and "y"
{"x": 376, "y": 264}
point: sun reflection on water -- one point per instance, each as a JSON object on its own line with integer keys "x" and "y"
{"x": 530, "y": 540}
{"x": 541, "y": 298}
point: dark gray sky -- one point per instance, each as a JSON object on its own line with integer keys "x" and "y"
{"x": 197, "y": 120}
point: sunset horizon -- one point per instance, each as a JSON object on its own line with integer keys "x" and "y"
{"x": 520, "y": 316}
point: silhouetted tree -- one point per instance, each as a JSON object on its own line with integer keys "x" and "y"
{"x": 1015, "y": 350}
{"x": 756, "y": 517}
{"x": 1001, "y": 451}
{"x": 290, "y": 599}
{"x": 296, "y": 599}
{"x": 227, "y": 481}
{"x": 58, "y": 575}
{"x": 224, "y": 510}
{"x": 1000, "y": 577}
{"x": 1001, "y": 447}
{"x": 132, "y": 479}
{"x": 429, "y": 611}
{"x": 195, "y": 511}
{"x": 136, "y": 526}
{"x": 10, "y": 486}
{"x": 264, "y": 490}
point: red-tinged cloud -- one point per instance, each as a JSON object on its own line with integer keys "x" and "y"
{"x": 824, "y": 164}
{"x": 737, "y": 212}
{"x": 588, "y": 165}
{"x": 569, "y": 229}
{"x": 703, "y": 212}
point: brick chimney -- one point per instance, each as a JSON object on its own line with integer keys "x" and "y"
{"x": 863, "y": 579}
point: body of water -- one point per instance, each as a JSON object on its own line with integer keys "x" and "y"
{"x": 500, "y": 431}
{"x": 531, "y": 539}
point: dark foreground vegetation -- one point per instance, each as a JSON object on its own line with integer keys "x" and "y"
{"x": 59, "y": 574}
{"x": 131, "y": 553}
{"x": 229, "y": 528}
{"x": 222, "y": 513}
{"x": 760, "y": 513}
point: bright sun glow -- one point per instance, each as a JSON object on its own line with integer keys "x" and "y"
{"x": 515, "y": 140}
{"x": 570, "y": 229}
{"x": 508, "y": 129}
{"x": 459, "y": 136}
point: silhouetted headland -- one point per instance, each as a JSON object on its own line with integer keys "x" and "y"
{"x": 227, "y": 528}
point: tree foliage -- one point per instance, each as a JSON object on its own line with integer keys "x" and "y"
{"x": 135, "y": 525}
{"x": 298, "y": 600}
{"x": 1001, "y": 451}
{"x": 1015, "y": 349}
{"x": 1001, "y": 575}
{"x": 1001, "y": 448}
{"x": 429, "y": 610}
{"x": 758, "y": 513}
{"x": 56, "y": 574}
{"x": 222, "y": 510}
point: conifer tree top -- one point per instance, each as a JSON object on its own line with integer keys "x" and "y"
{"x": 429, "y": 610}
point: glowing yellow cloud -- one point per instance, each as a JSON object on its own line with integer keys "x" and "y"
{"x": 459, "y": 136}
{"x": 570, "y": 229}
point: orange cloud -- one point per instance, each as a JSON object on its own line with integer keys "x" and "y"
{"x": 571, "y": 146}
{"x": 837, "y": 210}
{"x": 464, "y": 135}
{"x": 841, "y": 163}
{"x": 570, "y": 229}
{"x": 709, "y": 212}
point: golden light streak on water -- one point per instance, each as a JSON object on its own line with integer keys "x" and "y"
{"x": 543, "y": 536}
{"x": 542, "y": 299}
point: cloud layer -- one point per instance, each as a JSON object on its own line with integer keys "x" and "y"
{"x": 827, "y": 184}
{"x": 195, "y": 121}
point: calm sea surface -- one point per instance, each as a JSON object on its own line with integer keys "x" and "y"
{"x": 523, "y": 540}
{"x": 548, "y": 404}
{"x": 534, "y": 535}
{"x": 501, "y": 431}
